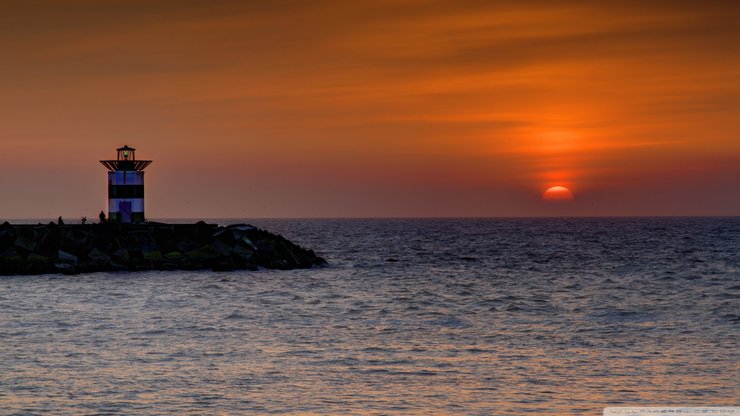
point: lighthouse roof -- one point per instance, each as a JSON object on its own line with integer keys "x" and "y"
{"x": 126, "y": 161}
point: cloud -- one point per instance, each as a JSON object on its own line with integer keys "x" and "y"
{"x": 465, "y": 92}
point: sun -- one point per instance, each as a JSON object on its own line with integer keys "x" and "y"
{"x": 558, "y": 193}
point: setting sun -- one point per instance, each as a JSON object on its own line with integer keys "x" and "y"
{"x": 557, "y": 193}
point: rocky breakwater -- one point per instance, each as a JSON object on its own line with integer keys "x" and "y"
{"x": 83, "y": 248}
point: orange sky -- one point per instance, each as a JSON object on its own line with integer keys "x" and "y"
{"x": 372, "y": 108}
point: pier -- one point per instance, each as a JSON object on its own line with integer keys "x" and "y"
{"x": 112, "y": 246}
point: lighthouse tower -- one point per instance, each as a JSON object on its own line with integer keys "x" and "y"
{"x": 126, "y": 186}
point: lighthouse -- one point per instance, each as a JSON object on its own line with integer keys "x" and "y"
{"x": 126, "y": 186}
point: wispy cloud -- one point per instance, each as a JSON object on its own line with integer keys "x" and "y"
{"x": 526, "y": 92}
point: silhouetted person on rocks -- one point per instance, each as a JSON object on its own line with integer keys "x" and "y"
{"x": 102, "y": 217}
{"x": 60, "y": 221}
{"x": 83, "y": 220}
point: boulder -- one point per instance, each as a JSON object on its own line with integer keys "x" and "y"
{"x": 7, "y": 238}
{"x": 98, "y": 257}
{"x": 222, "y": 248}
{"x": 11, "y": 262}
{"x": 121, "y": 255}
{"x": 153, "y": 255}
{"x": 75, "y": 240}
{"x": 225, "y": 236}
{"x": 186, "y": 246}
{"x": 26, "y": 239}
{"x": 203, "y": 255}
{"x": 37, "y": 258}
{"x": 244, "y": 252}
{"x": 174, "y": 255}
{"x": 66, "y": 258}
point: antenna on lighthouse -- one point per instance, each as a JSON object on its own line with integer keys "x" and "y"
{"x": 126, "y": 186}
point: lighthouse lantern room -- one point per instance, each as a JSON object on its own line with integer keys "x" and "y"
{"x": 126, "y": 186}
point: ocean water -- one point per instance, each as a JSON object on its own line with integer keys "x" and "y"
{"x": 493, "y": 316}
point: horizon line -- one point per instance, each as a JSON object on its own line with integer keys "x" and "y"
{"x": 501, "y": 217}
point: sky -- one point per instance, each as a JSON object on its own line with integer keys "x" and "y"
{"x": 372, "y": 108}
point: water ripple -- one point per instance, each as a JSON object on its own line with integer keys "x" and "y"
{"x": 547, "y": 316}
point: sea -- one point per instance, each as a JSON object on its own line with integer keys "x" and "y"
{"x": 509, "y": 316}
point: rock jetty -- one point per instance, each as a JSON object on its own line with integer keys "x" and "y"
{"x": 84, "y": 248}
